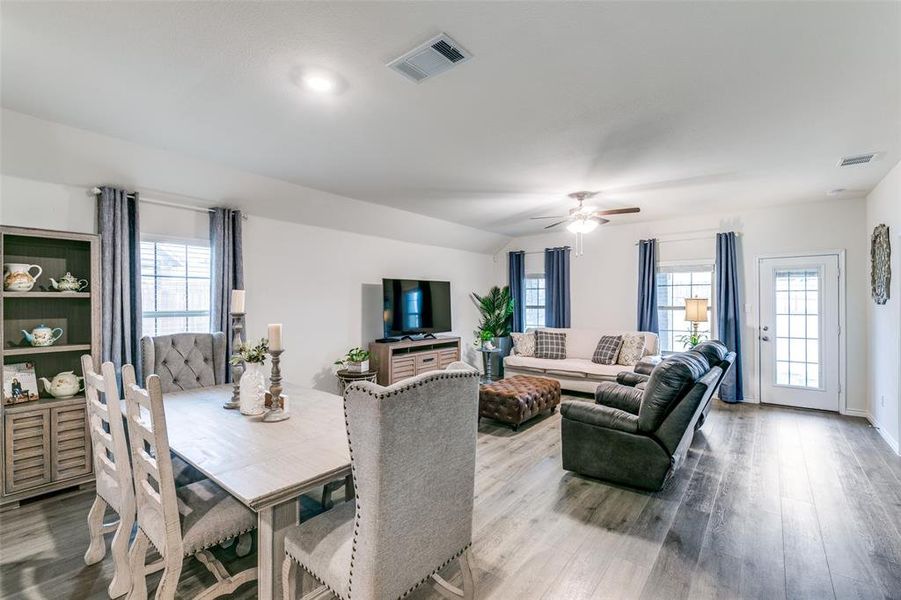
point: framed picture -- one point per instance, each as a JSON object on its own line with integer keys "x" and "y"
{"x": 20, "y": 384}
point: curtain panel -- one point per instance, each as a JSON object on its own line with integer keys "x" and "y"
{"x": 728, "y": 312}
{"x": 120, "y": 270}
{"x": 557, "y": 284}
{"x": 647, "y": 286}
{"x": 516, "y": 271}
{"x": 227, "y": 249}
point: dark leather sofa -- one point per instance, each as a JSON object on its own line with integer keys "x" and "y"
{"x": 639, "y": 436}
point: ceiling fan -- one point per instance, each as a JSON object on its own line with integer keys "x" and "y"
{"x": 585, "y": 219}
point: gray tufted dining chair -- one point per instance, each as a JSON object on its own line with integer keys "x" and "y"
{"x": 412, "y": 452}
{"x": 185, "y": 361}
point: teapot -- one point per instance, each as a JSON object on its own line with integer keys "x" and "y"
{"x": 17, "y": 277}
{"x": 68, "y": 283}
{"x": 64, "y": 385}
{"x": 42, "y": 335}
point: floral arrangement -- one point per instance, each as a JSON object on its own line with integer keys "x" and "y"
{"x": 250, "y": 354}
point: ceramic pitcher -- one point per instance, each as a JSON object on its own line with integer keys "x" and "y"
{"x": 17, "y": 277}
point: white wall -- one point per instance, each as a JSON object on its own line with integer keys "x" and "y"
{"x": 605, "y": 279}
{"x": 884, "y": 321}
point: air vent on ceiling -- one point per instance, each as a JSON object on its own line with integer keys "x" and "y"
{"x": 860, "y": 159}
{"x": 432, "y": 58}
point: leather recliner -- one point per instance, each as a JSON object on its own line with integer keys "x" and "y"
{"x": 639, "y": 437}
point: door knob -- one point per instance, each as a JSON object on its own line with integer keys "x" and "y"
{"x": 765, "y": 338}
{"x": 766, "y": 327}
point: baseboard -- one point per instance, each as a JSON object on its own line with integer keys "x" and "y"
{"x": 857, "y": 412}
{"x": 892, "y": 443}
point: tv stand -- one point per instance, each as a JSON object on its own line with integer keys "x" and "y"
{"x": 399, "y": 360}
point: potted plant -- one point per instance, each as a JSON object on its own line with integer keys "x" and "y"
{"x": 253, "y": 379}
{"x": 496, "y": 310}
{"x": 356, "y": 360}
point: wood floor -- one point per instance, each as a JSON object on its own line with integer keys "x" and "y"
{"x": 772, "y": 503}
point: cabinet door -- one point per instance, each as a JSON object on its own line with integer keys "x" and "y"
{"x": 27, "y": 450}
{"x": 70, "y": 448}
{"x": 446, "y": 357}
{"x": 402, "y": 366}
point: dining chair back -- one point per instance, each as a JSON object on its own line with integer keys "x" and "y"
{"x": 179, "y": 522}
{"x": 185, "y": 361}
{"x": 114, "y": 488}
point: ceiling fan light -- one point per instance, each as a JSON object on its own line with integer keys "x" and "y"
{"x": 582, "y": 226}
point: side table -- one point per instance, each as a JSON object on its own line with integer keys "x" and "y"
{"x": 346, "y": 377}
{"x": 488, "y": 375}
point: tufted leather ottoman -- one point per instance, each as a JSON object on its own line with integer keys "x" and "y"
{"x": 517, "y": 399}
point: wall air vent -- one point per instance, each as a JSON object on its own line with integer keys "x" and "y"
{"x": 859, "y": 159}
{"x": 432, "y": 58}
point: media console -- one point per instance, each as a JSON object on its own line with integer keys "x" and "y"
{"x": 396, "y": 361}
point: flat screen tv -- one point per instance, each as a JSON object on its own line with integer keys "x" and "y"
{"x": 416, "y": 307}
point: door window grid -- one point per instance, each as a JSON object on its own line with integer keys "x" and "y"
{"x": 175, "y": 287}
{"x": 535, "y": 302}
{"x": 797, "y": 332}
{"x": 674, "y": 285}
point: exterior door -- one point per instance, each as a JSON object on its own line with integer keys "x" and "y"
{"x": 799, "y": 331}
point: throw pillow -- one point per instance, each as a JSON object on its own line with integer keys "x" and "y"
{"x": 524, "y": 343}
{"x": 632, "y": 350}
{"x": 607, "y": 350}
{"x": 550, "y": 344}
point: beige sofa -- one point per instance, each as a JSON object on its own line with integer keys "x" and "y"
{"x": 576, "y": 372}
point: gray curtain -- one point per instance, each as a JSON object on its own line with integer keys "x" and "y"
{"x": 556, "y": 286}
{"x": 120, "y": 269}
{"x": 647, "y": 286}
{"x": 516, "y": 269}
{"x": 728, "y": 312}
{"x": 228, "y": 270}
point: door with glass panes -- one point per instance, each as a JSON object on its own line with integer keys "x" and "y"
{"x": 799, "y": 331}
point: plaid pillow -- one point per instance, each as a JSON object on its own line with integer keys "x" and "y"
{"x": 607, "y": 350}
{"x": 550, "y": 344}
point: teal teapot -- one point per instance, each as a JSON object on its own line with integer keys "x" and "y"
{"x": 43, "y": 335}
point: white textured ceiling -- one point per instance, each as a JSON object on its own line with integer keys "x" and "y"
{"x": 673, "y": 107}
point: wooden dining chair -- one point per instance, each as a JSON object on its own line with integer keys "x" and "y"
{"x": 114, "y": 488}
{"x": 179, "y": 522}
{"x": 412, "y": 453}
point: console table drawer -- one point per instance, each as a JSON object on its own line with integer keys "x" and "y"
{"x": 402, "y": 367}
{"x": 427, "y": 361}
{"x": 446, "y": 357}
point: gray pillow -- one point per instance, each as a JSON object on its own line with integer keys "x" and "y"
{"x": 607, "y": 350}
{"x": 550, "y": 344}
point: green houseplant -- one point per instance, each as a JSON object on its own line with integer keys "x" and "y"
{"x": 496, "y": 310}
{"x": 356, "y": 360}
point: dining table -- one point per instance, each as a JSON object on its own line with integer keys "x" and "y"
{"x": 267, "y": 466}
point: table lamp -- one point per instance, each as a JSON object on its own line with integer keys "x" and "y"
{"x": 695, "y": 312}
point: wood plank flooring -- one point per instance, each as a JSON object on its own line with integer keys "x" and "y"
{"x": 771, "y": 503}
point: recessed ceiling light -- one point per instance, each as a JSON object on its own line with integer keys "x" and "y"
{"x": 836, "y": 192}
{"x": 321, "y": 83}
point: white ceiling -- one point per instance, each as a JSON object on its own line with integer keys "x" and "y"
{"x": 672, "y": 107}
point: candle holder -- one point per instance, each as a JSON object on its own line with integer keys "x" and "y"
{"x": 236, "y": 370}
{"x": 274, "y": 398}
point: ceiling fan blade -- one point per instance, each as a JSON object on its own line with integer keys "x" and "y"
{"x": 600, "y": 220}
{"x": 555, "y": 224}
{"x": 618, "y": 211}
{"x": 554, "y": 217}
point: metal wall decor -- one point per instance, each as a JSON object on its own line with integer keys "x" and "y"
{"x": 880, "y": 264}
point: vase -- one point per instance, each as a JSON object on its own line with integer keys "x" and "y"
{"x": 505, "y": 345}
{"x": 253, "y": 389}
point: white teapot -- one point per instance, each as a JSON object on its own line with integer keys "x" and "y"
{"x": 64, "y": 385}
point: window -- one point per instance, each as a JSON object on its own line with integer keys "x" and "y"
{"x": 798, "y": 328}
{"x": 674, "y": 285}
{"x": 175, "y": 287}
{"x": 534, "y": 317}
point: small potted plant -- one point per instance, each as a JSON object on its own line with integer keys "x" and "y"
{"x": 253, "y": 379}
{"x": 356, "y": 360}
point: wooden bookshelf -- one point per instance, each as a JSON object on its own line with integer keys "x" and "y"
{"x": 45, "y": 443}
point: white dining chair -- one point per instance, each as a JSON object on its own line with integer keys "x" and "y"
{"x": 114, "y": 488}
{"x": 412, "y": 453}
{"x": 179, "y": 522}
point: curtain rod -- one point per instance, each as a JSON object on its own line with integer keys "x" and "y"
{"x": 96, "y": 191}
{"x": 689, "y": 239}
{"x": 538, "y": 251}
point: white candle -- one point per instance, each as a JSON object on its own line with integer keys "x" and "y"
{"x": 237, "y": 302}
{"x": 275, "y": 336}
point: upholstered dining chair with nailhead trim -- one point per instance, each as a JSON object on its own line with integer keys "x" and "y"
{"x": 178, "y": 522}
{"x": 412, "y": 452}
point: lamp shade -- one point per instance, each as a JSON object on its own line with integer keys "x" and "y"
{"x": 696, "y": 310}
{"x": 582, "y": 225}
